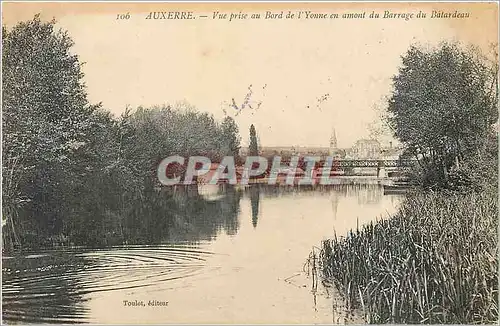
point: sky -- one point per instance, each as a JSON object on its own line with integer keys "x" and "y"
{"x": 311, "y": 77}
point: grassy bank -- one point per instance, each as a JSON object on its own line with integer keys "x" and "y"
{"x": 435, "y": 261}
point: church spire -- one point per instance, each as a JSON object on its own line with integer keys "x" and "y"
{"x": 333, "y": 142}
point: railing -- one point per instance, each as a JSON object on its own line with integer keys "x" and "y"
{"x": 372, "y": 163}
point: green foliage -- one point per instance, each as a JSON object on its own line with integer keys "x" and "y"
{"x": 46, "y": 120}
{"x": 181, "y": 130}
{"x": 72, "y": 172}
{"x": 435, "y": 261}
{"x": 229, "y": 138}
{"x": 443, "y": 108}
{"x": 254, "y": 147}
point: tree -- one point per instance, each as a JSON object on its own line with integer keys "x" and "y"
{"x": 46, "y": 120}
{"x": 254, "y": 147}
{"x": 230, "y": 140}
{"x": 443, "y": 107}
{"x": 72, "y": 171}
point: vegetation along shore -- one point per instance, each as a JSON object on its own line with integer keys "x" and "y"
{"x": 435, "y": 260}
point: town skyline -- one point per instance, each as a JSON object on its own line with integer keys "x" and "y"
{"x": 385, "y": 141}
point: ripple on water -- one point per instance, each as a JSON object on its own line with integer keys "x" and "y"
{"x": 50, "y": 287}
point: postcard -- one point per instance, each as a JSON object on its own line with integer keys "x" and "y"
{"x": 249, "y": 163}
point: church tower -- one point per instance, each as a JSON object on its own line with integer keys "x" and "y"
{"x": 333, "y": 143}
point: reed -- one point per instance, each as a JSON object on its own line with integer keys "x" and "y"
{"x": 435, "y": 261}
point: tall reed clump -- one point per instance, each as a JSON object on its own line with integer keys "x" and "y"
{"x": 435, "y": 261}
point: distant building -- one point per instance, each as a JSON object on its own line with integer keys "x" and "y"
{"x": 334, "y": 151}
{"x": 363, "y": 149}
{"x": 333, "y": 143}
{"x": 366, "y": 149}
{"x": 289, "y": 151}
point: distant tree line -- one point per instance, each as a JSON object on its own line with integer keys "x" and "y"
{"x": 70, "y": 166}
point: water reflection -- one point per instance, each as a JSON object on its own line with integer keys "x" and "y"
{"x": 156, "y": 243}
{"x": 198, "y": 219}
{"x": 194, "y": 247}
{"x": 255, "y": 198}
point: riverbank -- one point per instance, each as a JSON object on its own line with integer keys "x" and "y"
{"x": 435, "y": 261}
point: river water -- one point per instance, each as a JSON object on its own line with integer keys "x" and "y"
{"x": 230, "y": 257}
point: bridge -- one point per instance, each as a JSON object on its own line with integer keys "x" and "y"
{"x": 373, "y": 163}
{"x": 364, "y": 163}
{"x": 384, "y": 167}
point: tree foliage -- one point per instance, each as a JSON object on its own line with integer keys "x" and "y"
{"x": 46, "y": 119}
{"x": 443, "y": 108}
{"x": 254, "y": 147}
{"x": 72, "y": 172}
